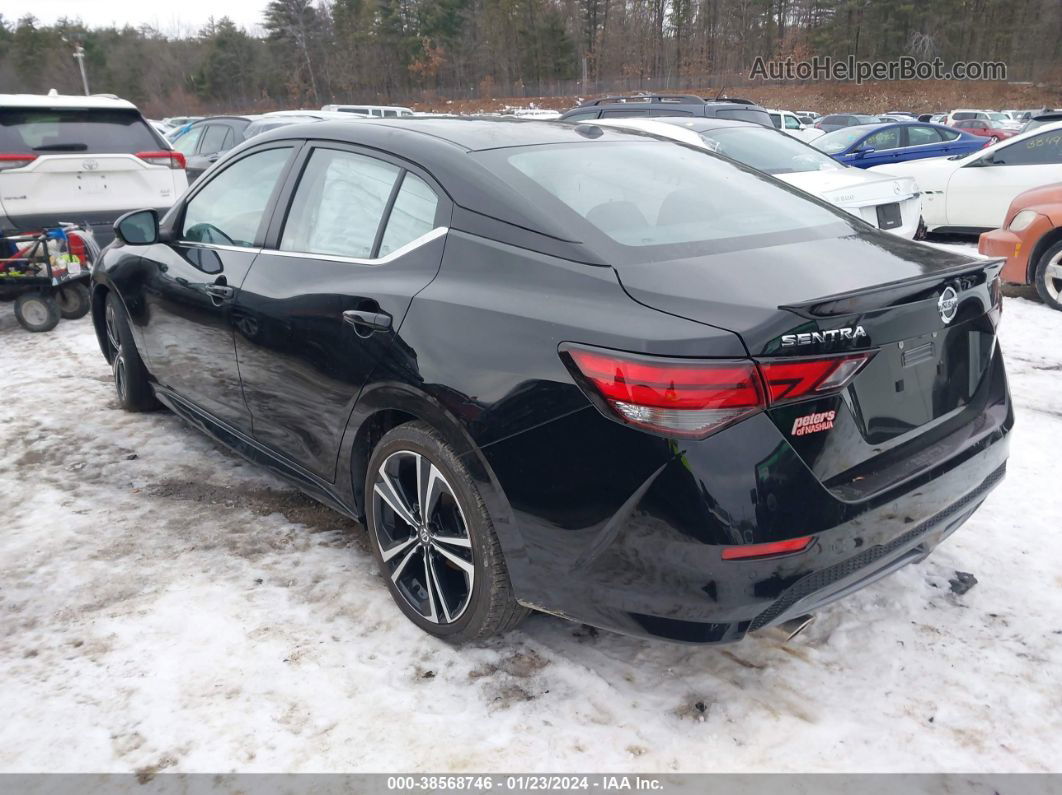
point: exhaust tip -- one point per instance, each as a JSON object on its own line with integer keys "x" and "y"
{"x": 795, "y": 626}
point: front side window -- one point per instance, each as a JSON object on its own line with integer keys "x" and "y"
{"x": 186, "y": 142}
{"x": 792, "y": 123}
{"x": 412, "y": 215}
{"x": 657, "y": 194}
{"x": 884, "y": 140}
{"x": 838, "y": 141}
{"x": 1037, "y": 150}
{"x": 338, "y": 205}
{"x": 229, "y": 209}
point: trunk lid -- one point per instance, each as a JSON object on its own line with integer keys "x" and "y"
{"x": 929, "y": 316}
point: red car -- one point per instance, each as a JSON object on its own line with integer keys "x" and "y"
{"x": 983, "y": 128}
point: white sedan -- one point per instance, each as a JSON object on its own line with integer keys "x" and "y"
{"x": 971, "y": 194}
{"x": 889, "y": 203}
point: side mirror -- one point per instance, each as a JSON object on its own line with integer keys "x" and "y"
{"x": 138, "y": 228}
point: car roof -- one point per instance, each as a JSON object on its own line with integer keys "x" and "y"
{"x": 72, "y": 101}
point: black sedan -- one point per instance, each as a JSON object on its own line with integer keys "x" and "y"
{"x": 568, "y": 368}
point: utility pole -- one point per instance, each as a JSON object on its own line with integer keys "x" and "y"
{"x": 79, "y": 55}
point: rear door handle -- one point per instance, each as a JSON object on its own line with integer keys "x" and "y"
{"x": 222, "y": 291}
{"x": 367, "y": 321}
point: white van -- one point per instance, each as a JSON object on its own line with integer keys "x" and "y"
{"x": 81, "y": 159}
{"x": 377, "y": 111}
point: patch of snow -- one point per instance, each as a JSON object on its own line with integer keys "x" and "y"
{"x": 165, "y": 605}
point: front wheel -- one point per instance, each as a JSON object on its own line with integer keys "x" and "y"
{"x": 993, "y": 140}
{"x": 1048, "y": 278}
{"x": 434, "y": 539}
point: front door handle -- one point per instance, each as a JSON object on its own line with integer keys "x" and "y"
{"x": 222, "y": 291}
{"x": 367, "y": 321}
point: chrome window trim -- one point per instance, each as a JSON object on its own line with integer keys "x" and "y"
{"x": 401, "y": 251}
{"x": 217, "y": 246}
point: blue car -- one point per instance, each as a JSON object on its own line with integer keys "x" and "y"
{"x": 867, "y": 145}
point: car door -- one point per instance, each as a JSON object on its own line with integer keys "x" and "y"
{"x": 360, "y": 236}
{"x": 979, "y": 193}
{"x": 922, "y": 141}
{"x": 189, "y": 284}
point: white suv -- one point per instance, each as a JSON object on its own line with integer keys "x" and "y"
{"x": 83, "y": 160}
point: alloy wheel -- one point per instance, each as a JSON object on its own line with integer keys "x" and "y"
{"x": 423, "y": 537}
{"x": 1053, "y": 277}
{"x": 111, "y": 323}
{"x": 120, "y": 376}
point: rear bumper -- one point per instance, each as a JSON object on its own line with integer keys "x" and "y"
{"x": 100, "y": 222}
{"x": 629, "y": 532}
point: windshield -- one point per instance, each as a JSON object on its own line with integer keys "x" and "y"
{"x": 94, "y": 132}
{"x": 767, "y": 151}
{"x": 644, "y": 194}
{"x": 838, "y": 141}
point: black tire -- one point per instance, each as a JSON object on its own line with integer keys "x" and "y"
{"x": 469, "y": 596}
{"x": 920, "y": 231}
{"x": 131, "y": 381}
{"x": 1049, "y": 286}
{"x": 37, "y": 311}
{"x": 74, "y": 301}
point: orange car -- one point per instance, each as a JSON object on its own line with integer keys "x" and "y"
{"x": 1031, "y": 240}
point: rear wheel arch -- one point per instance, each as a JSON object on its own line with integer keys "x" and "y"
{"x": 389, "y": 405}
{"x": 98, "y": 312}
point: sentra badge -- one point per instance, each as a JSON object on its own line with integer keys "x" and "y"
{"x": 823, "y": 337}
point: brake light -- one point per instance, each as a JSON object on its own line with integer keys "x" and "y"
{"x": 793, "y": 379}
{"x": 687, "y": 398}
{"x": 15, "y": 161}
{"x": 164, "y": 157}
{"x": 693, "y": 398}
{"x": 751, "y": 551}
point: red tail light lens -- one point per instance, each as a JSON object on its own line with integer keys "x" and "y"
{"x": 677, "y": 397}
{"x": 794, "y": 379}
{"x": 693, "y": 398}
{"x": 15, "y": 161}
{"x": 164, "y": 157}
{"x": 769, "y": 550}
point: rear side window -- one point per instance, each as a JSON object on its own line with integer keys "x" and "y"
{"x": 615, "y": 114}
{"x": 339, "y": 204}
{"x": 590, "y": 114}
{"x": 1037, "y": 150}
{"x": 920, "y": 136}
{"x": 948, "y": 135}
{"x": 229, "y": 208}
{"x": 217, "y": 138}
{"x": 97, "y": 132}
{"x": 745, "y": 114}
{"x": 885, "y": 139}
{"x": 412, "y": 215}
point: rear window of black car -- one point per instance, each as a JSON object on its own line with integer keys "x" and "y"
{"x": 63, "y": 130}
{"x": 644, "y": 195}
{"x": 745, "y": 114}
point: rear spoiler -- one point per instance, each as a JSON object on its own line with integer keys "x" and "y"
{"x": 882, "y": 297}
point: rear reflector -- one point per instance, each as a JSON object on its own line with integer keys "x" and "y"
{"x": 15, "y": 161}
{"x": 750, "y": 551}
{"x": 673, "y": 396}
{"x": 693, "y": 398}
{"x": 164, "y": 157}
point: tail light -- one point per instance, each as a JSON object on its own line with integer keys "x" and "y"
{"x": 693, "y": 398}
{"x": 164, "y": 157}
{"x": 15, "y": 161}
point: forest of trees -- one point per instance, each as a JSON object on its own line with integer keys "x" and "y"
{"x": 317, "y": 51}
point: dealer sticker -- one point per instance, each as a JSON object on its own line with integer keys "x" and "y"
{"x": 813, "y": 423}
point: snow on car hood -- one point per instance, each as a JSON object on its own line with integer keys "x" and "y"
{"x": 853, "y": 187}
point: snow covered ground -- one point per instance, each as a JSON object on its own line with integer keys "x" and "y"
{"x": 165, "y": 606}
